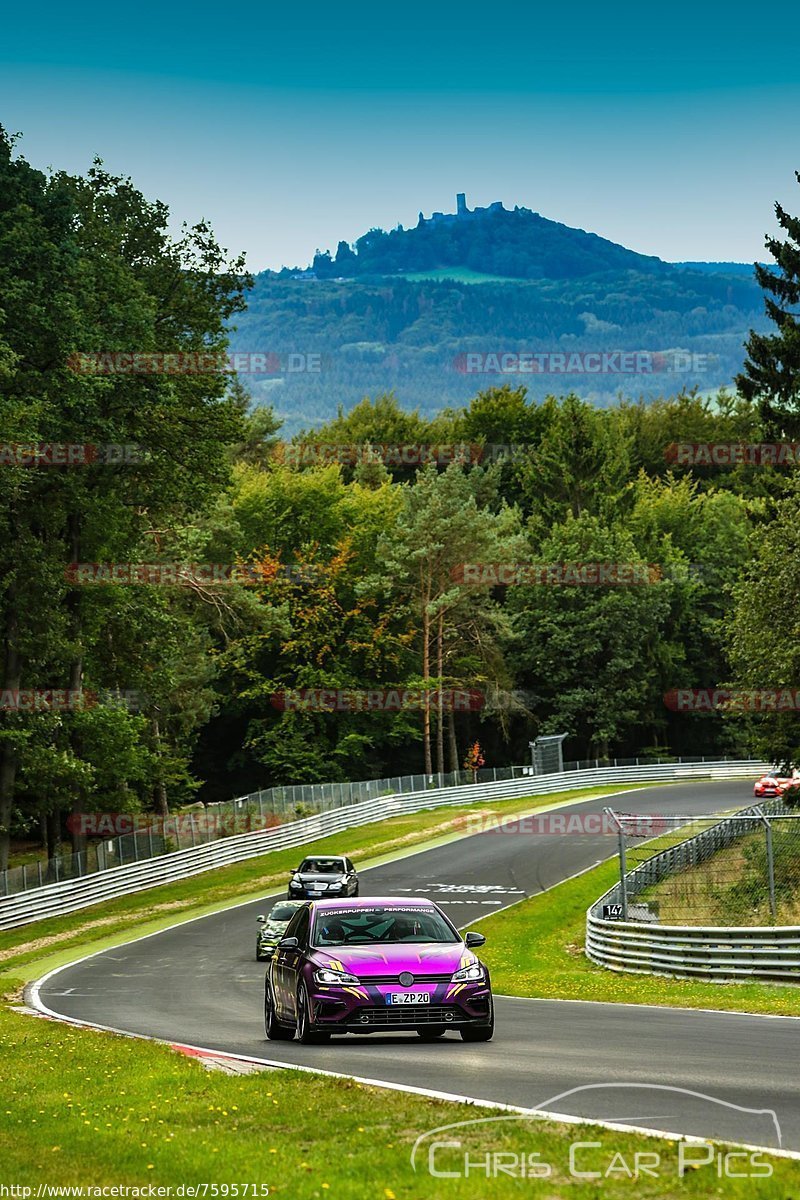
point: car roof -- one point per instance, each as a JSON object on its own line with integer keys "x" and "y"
{"x": 367, "y": 902}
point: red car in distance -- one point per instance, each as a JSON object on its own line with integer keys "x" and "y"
{"x": 774, "y": 784}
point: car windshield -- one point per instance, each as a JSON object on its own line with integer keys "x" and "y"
{"x": 323, "y": 866}
{"x": 359, "y": 927}
{"x": 282, "y": 912}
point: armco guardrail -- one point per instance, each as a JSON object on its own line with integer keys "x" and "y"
{"x": 693, "y": 951}
{"x": 58, "y": 898}
{"x": 686, "y": 952}
{"x": 245, "y": 814}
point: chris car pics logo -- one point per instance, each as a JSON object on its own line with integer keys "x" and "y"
{"x": 505, "y": 1146}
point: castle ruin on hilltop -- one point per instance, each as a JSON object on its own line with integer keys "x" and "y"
{"x": 462, "y": 213}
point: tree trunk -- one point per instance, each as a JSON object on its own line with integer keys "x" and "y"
{"x": 160, "y": 790}
{"x": 440, "y": 698}
{"x": 53, "y": 827}
{"x": 76, "y": 678}
{"x": 426, "y": 676}
{"x": 451, "y": 740}
{"x": 12, "y": 673}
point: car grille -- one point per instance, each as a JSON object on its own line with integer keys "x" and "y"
{"x": 408, "y": 1014}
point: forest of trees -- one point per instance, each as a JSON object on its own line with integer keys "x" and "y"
{"x": 351, "y": 576}
{"x": 364, "y": 337}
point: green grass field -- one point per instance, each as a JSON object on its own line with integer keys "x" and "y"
{"x": 85, "y": 1108}
{"x": 457, "y": 275}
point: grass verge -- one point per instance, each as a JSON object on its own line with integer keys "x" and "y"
{"x": 92, "y": 1109}
{"x": 535, "y": 948}
{"x": 732, "y": 887}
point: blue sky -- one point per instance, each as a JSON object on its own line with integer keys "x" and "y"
{"x": 670, "y": 130}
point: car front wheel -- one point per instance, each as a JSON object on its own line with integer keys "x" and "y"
{"x": 480, "y": 1033}
{"x": 272, "y": 1026}
{"x": 307, "y": 1033}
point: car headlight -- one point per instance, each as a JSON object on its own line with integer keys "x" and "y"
{"x": 335, "y": 977}
{"x": 332, "y": 887}
{"x": 295, "y": 883}
{"x": 473, "y": 974}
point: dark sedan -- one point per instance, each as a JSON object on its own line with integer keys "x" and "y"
{"x": 332, "y": 876}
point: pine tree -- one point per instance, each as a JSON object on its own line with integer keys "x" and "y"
{"x": 772, "y": 369}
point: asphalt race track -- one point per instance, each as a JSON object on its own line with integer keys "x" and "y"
{"x": 199, "y": 984}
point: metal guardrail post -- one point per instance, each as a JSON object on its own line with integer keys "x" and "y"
{"x": 770, "y": 864}
{"x": 623, "y": 866}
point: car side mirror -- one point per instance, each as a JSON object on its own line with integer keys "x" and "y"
{"x": 290, "y": 943}
{"x": 474, "y": 939}
{"x": 261, "y": 919}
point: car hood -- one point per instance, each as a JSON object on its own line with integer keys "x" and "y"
{"x": 311, "y": 877}
{"x": 273, "y": 929}
{"x": 424, "y": 959}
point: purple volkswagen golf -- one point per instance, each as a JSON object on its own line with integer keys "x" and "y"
{"x": 364, "y": 966}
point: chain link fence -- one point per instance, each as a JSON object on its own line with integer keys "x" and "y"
{"x": 741, "y": 870}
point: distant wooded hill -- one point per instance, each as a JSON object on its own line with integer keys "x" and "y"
{"x": 518, "y": 244}
{"x": 400, "y": 311}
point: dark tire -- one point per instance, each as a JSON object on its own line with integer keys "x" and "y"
{"x": 272, "y": 1026}
{"x": 430, "y": 1033}
{"x": 306, "y": 1032}
{"x": 479, "y": 1033}
{"x": 260, "y": 956}
{"x": 355, "y": 891}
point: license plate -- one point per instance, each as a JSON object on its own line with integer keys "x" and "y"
{"x": 408, "y": 998}
{"x": 314, "y": 895}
